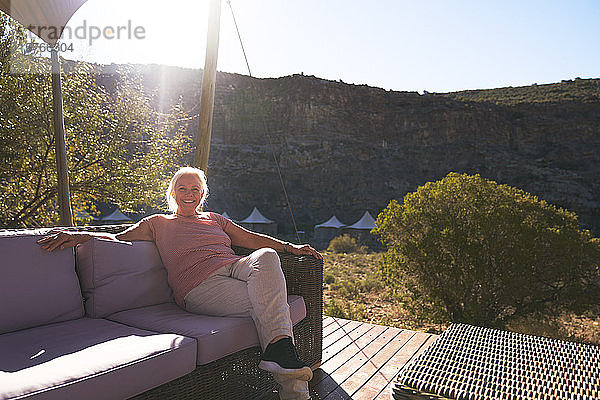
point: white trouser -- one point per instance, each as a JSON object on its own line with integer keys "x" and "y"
{"x": 253, "y": 286}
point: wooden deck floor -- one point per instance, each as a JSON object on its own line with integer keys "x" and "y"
{"x": 360, "y": 360}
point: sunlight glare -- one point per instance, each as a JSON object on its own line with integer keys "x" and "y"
{"x": 169, "y": 33}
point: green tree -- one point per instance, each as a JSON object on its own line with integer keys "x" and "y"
{"x": 478, "y": 252}
{"x": 120, "y": 149}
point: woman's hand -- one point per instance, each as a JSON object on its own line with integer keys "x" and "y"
{"x": 63, "y": 240}
{"x": 302, "y": 250}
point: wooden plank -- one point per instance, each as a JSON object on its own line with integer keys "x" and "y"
{"x": 327, "y": 321}
{"x": 327, "y": 383}
{"x": 365, "y": 355}
{"x": 341, "y": 332}
{"x": 360, "y": 360}
{"x": 207, "y": 94}
{"x": 351, "y": 345}
{"x": 338, "y": 327}
{"x": 322, "y": 381}
{"x": 372, "y": 366}
{"x": 393, "y": 368}
{"x": 340, "y": 366}
{"x": 339, "y": 394}
{"x": 65, "y": 211}
{"x": 379, "y": 382}
{"x": 334, "y": 327}
{"x": 334, "y": 350}
{"x": 365, "y": 361}
{"x": 345, "y": 340}
{"x": 329, "y": 327}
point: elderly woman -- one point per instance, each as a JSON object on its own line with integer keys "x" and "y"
{"x": 207, "y": 277}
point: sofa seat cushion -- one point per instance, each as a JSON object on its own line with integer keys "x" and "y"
{"x": 216, "y": 336}
{"x": 90, "y": 359}
{"x": 117, "y": 276}
{"x": 36, "y": 287}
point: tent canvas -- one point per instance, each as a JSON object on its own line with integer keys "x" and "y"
{"x": 332, "y": 222}
{"x": 361, "y": 231}
{"x": 259, "y": 223}
{"x": 116, "y": 216}
{"x": 365, "y": 222}
{"x": 256, "y": 217}
{"x": 46, "y": 18}
{"x": 326, "y": 231}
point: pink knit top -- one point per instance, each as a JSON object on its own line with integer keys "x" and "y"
{"x": 191, "y": 248}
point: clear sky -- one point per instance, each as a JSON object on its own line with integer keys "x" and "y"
{"x": 413, "y": 45}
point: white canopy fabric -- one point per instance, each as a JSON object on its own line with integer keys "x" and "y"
{"x": 45, "y": 18}
{"x": 366, "y": 222}
{"x": 116, "y": 215}
{"x": 256, "y": 217}
{"x": 333, "y": 222}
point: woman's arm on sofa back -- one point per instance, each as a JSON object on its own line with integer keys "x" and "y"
{"x": 65, "y": 239}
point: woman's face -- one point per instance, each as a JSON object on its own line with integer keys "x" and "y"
{"x": 188, "y": 194}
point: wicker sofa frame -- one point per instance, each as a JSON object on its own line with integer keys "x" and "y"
{"x": 237, "y": 376}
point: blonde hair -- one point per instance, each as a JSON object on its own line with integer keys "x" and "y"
{"x": 171, "y": 189}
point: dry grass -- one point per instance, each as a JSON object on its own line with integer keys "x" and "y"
{"x": 566, "y": 326}
{"x": 353, "y": 289}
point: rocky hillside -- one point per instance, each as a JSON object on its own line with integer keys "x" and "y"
{"x": 344, "y": 149}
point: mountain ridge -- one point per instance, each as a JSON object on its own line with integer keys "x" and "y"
{"x": 344, "y": 148}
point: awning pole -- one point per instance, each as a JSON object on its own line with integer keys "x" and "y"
{"x": 207, "y": 97}
{"x": 64, "y": 199}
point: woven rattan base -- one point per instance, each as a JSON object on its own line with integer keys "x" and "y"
{"x": 468, "y": 362}
{"x": 234, "y": 377}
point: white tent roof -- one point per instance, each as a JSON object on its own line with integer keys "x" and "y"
{"x": 256, "y": 217}
{"x": 366, "y": 222}
{"x": 116, "y": 215}
{"x": 333, "y": 222}
{"x": 46, "y": 18}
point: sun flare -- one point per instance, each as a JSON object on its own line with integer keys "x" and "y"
{"x": 139, "y": 31}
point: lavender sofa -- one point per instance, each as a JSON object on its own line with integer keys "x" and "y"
{"x": 99, "y": 322}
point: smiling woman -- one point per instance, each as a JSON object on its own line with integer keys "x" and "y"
{"x": 207, "y": 277}
{"x": 187, "y": 191}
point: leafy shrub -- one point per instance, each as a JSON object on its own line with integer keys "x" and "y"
{"x": 344, "y": 309}
{"x": 345, "y": 244}
{"x": 371, "y": 283}
{"x": 328, "y": 279}
{"x": 478, "y": 252}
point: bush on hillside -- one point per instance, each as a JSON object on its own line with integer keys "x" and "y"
{"x": 345, "y": 244}
{"x": 478, "y": 252}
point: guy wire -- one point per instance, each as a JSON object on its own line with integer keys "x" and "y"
{"x": 287, "y": 200}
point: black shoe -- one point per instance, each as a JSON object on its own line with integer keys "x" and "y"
{"x": 281, "y": 358}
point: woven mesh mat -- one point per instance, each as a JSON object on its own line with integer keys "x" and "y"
{"x": 469, "y": 362}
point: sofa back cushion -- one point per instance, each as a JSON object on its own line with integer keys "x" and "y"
{"x": 117, "y": 276}
{"x": 36, "y": 287}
